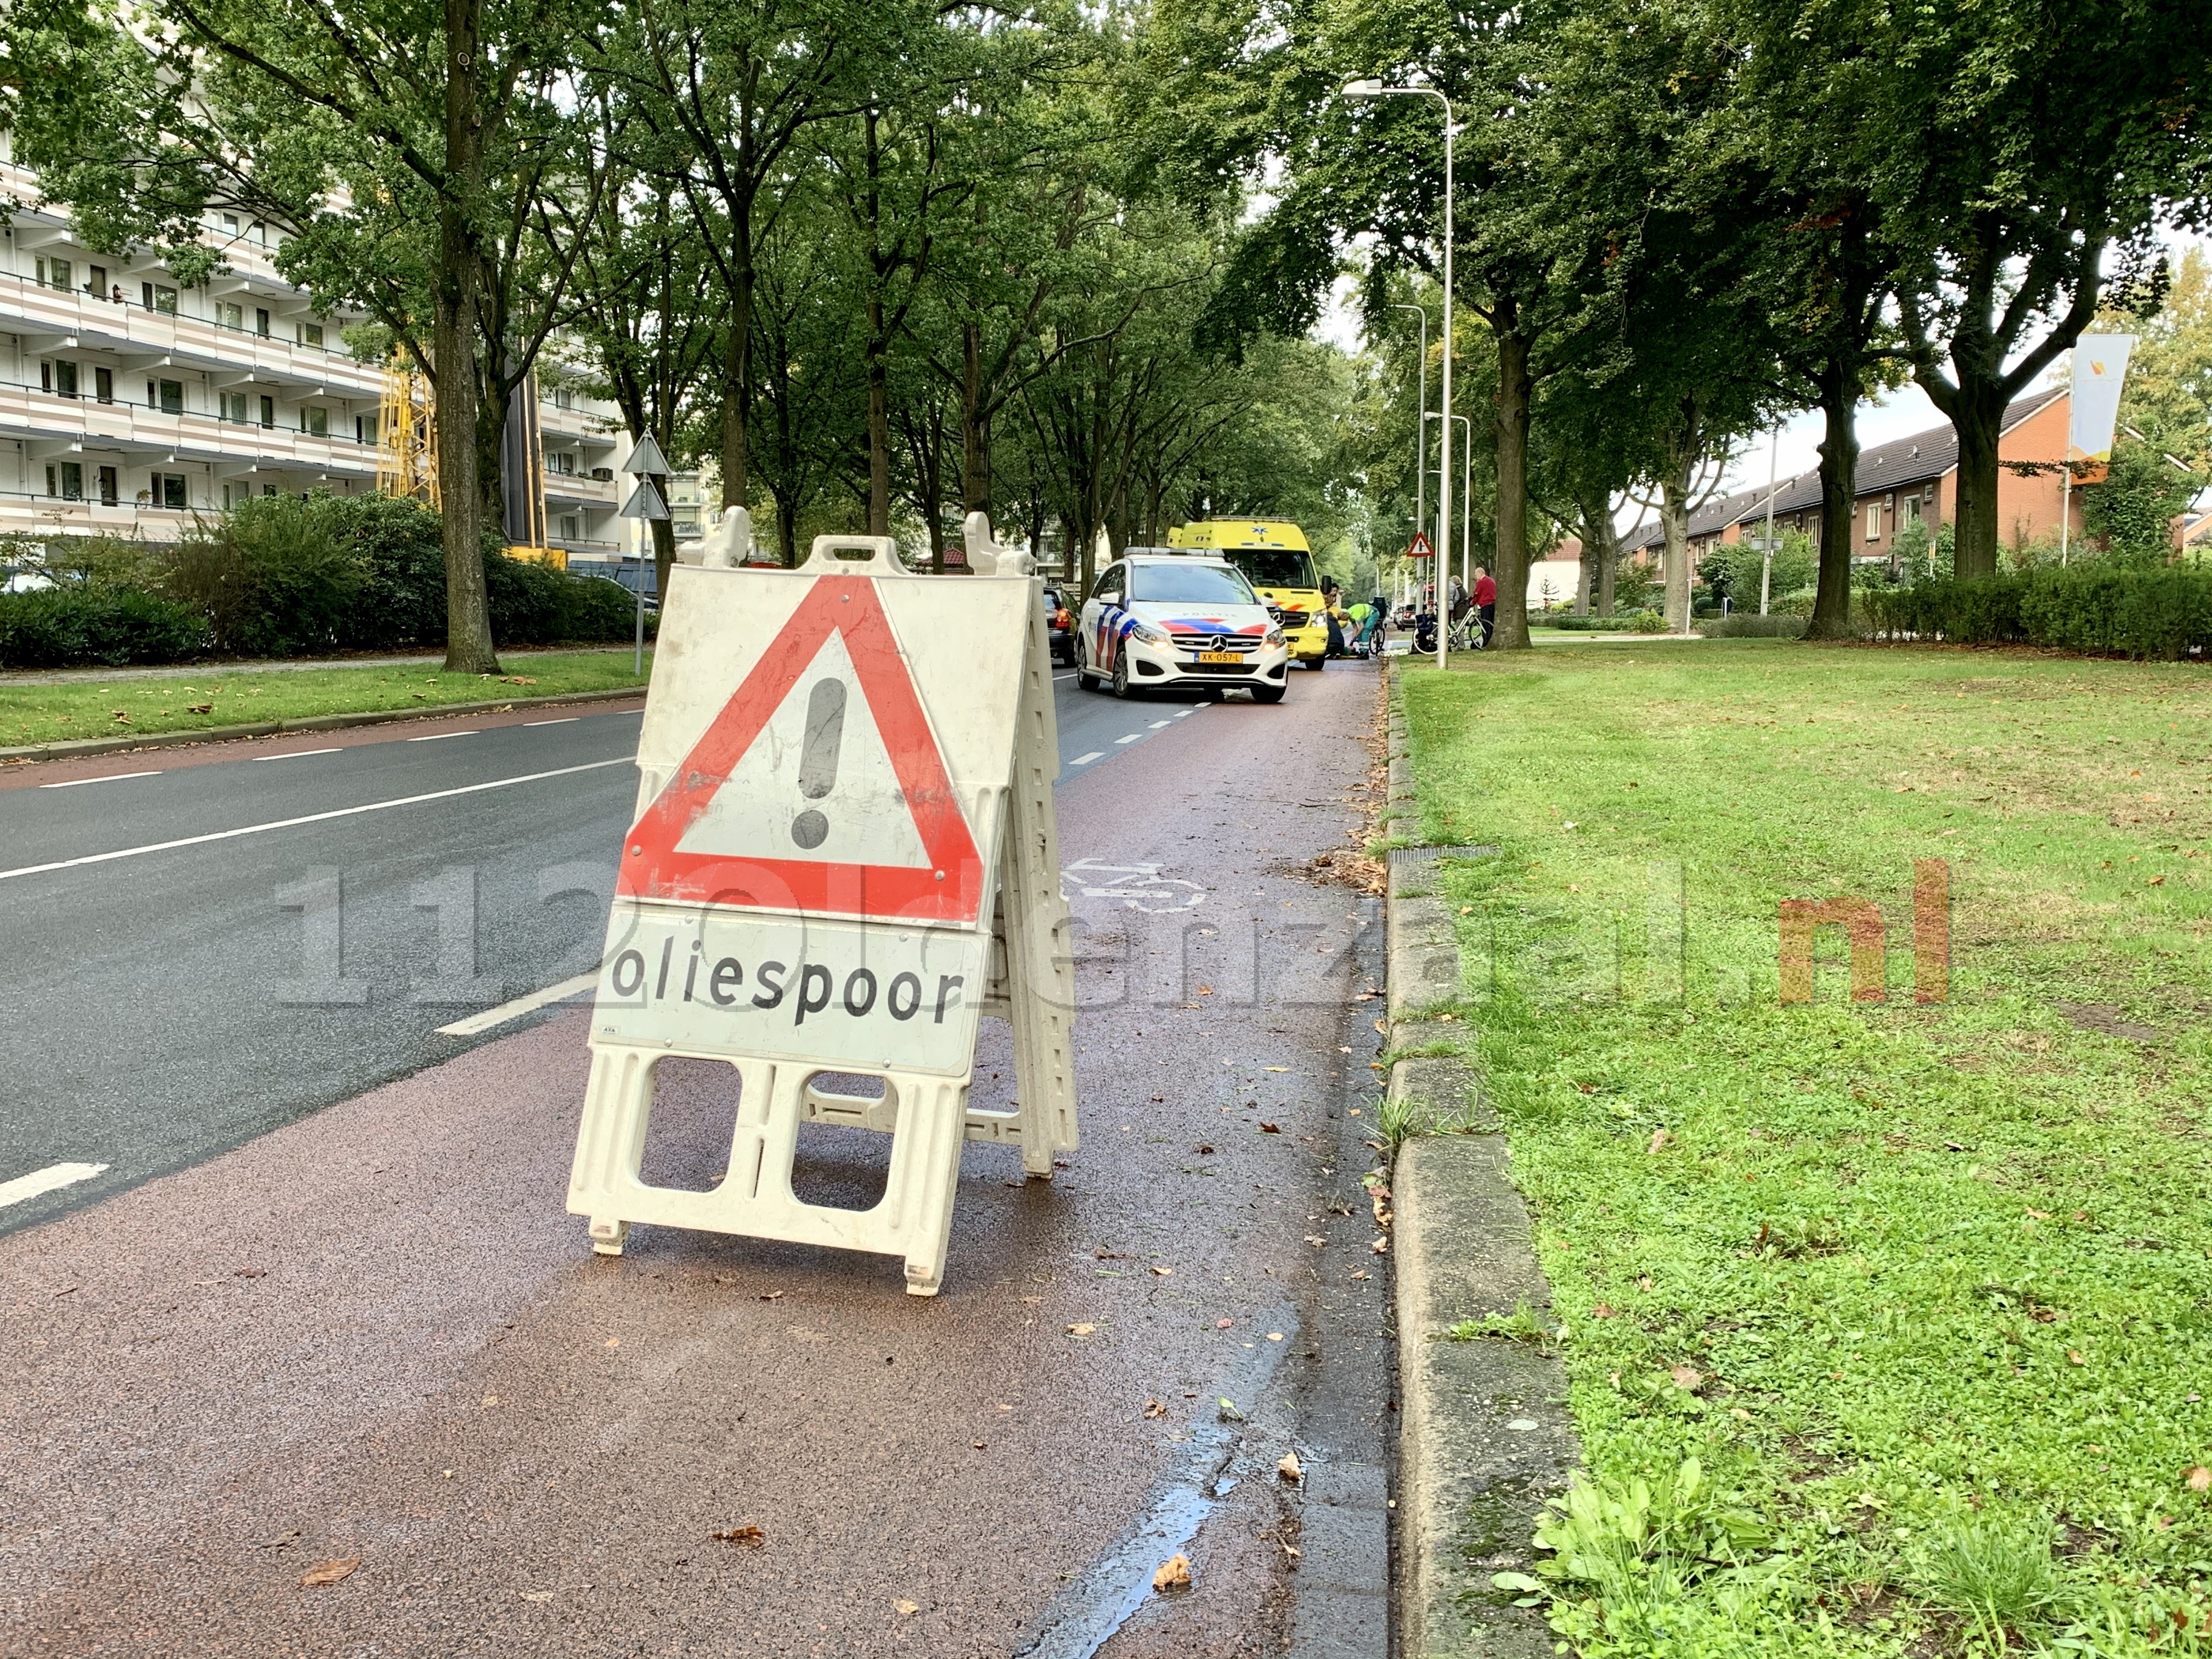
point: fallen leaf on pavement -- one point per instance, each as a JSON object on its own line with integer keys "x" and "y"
{"x": 1081, "y": 1330}
{"x": 1658, "y": 1141}
{"x": 1227, "y": 1412}
{"x": 1362, "y": 1273}
{"x": 536, "y": 1595}
{"x": 980, "y": 1445}
{"x": 1278, "y": 1068}
{"x": 1316, "y": 1240}
{"x": 907, "y": 1608}
{"x": 2074, "y": 1356}
{"x": 614, "y": 1342}
{"x": 1289, "y": 1468}
{"x": 1275, "y": 1336}
{"x": 280, "y": 1541}
{"x": 1174, "y": 1574}
{"x": 771, "y": 1296}
{"x": 1271, "y": 1128}
{"x": 330, "y": 1572}
{"x": 1381, "y": 1246}
{"x": 1164, "y": 1272}
{"x": 745, "y": 1537}
{"x": 1686, "y": 1376}
{"x": 1223, "y": 1324}
{"x": 1153, "y": 1409}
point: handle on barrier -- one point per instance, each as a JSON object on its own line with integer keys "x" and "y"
{"x": 878, "y": 557}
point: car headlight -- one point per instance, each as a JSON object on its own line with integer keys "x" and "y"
{"x": 1150, "y": 635}
{"x": 1274, "y": 637}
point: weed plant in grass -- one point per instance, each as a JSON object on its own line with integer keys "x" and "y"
{"x": 1923, "y": 1290}
{"x": 92, "y": 708}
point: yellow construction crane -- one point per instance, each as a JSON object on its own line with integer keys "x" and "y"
{"x": 407, "y": 433}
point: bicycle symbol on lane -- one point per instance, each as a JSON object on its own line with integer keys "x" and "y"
{"x": 1136, "y": 886}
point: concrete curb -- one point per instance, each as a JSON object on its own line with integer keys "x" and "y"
{"x": 81, "y": 746}
{"x": 1485, "y": 1435}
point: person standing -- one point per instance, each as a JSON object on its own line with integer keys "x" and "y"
{"x": 1485, "y": 605}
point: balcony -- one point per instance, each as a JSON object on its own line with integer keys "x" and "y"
{"x": 568, "y": 491}
{"x": 47, "y": 515}
{"x": 51, "y": 314}
{"x": 133, "y": 429}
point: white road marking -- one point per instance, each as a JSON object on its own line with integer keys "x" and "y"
{"x": 1185, "y": 713}
{"x": 312, "y": 817}
{"x": 112, "y": 777}
{"x": 52, "y": 1178}
{"x": 476, "y": 1024}
{"x": 1132, "y": 737}
{"x": 1067, "y": 676}
{"x": 567, "y": 719}
{"x": 294, "y": 753}
{"x": 1085, "y": 760}
{"x": 1159, "y": 726}
{"x": 432, "y": 736}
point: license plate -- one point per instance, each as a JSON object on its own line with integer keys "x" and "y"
{"x": 1220, "y": 656}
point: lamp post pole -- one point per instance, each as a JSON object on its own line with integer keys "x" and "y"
{"x": 1421, "y": 424}
{"x": 1377, "y": 90}
{"x": 1766, "y": 557}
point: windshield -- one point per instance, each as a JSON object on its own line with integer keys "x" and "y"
{"x": 1189, "y": 584}
{"x": 1273, "y": 567}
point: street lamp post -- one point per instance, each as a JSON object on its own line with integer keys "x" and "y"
{"x": 1421, "y": 424}
{"x": 1466, "y": 495}
{"x": 1371, "y": 88}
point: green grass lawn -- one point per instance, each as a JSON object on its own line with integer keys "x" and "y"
{"x": 1923, "y": 1290}
{"x": 89, "y": 708}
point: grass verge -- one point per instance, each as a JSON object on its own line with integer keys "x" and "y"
{"x": 1889, "y": 1325}
{"x": 88, "y": 709}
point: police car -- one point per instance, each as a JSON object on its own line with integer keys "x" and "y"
{"x": 1163, "y": 616}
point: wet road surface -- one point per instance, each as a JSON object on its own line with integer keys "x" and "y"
{"x": 372, "y": 1333}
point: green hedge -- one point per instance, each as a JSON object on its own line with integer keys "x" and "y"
{"x": 1753, "y": 626}
{"x": 2106, "y": 606}
{"x": 1641, "y": 622}
{"x": 57, "y": 627}
{"x": 284, "y": 576}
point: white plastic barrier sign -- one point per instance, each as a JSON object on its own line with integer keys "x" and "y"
{"x": 843, "y": 858}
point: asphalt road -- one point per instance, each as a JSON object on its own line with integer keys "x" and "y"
{"x": 184, "y": 998}
{"x": 354, "y": 1321}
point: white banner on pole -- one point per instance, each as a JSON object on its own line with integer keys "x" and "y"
{"x": 2100, "y": 365}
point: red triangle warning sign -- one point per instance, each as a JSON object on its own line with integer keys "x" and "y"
{"x": 1420, "y": 548}
{"x": 802, "y": 798}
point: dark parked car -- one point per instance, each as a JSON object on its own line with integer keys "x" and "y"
{"x": 1060, "y": 628}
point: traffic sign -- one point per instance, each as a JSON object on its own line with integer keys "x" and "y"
{"x": 829, "y": 711}
{"x": 644, "y": 503}
{"x": 843, "y": 857}
{"x": 1420, "y": 548}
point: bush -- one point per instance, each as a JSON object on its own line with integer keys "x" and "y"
{"x": 2110, "y": 606}
{"x": 1744, "y": 626}
{"x": 1589, "y": 624}
{"x": 82, "y": 623}
{"x": 273, "y": 577}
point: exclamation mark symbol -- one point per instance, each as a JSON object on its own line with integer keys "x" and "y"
{"x": 818, "y": 758}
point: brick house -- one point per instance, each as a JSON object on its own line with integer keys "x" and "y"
{"x": 1909, "y": 478}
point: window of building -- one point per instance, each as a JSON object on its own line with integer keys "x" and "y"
{"x": 563, "y": 398}
{"x": 1873, "y": 521}
{"x": 234, "y": 407}
{"x": 103, "y": 385}
{"x": 170, "y": 490}
{"x": 230, "y": 224}
{"x": 229, "y": 316}
{"x": 65, "y": 380}
{"x": 95, "y": 281}
{"x": 267, "y": 411}
{"x": 1910, "y": 510}
{"x": 308, "y": 334}
{"x": 167, "y": 396}
{"x": 571, "y": 527}
{"x": 563, "y": 462}
{"x": 261, "y": 232}
{"x": 56, "y": 273}
{"x": 110, "y": 487}
{"x": 261, "y": 321}
{"x": 364, "y": 428}
{"x": 315, "y": 422}
{"x": 269, "y": 490}
{"x": 65, "y": 480}
{"x": 159, "y": 297}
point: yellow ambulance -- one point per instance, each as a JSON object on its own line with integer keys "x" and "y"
{"x": 1275, "y": 559}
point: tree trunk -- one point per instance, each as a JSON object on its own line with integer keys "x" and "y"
{"x": 664, "y": 541}
{"x": 879, "y": 424}
{"x": 1600, "y": 551}
{"x": 1977, "y": 416}
{"x": 469, "y": 648}
{"x": 1510, "y": 570}
{"x": 1840, "y": 466}
{"x": 1674, "y": 522}
{"x": 737, "y": 359}
{"x": 974, "y": 425}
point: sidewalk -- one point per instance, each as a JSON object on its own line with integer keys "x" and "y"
{"x": 14, "y": 676}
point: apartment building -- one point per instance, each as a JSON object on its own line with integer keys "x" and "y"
{"x": 131, "y": 402}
